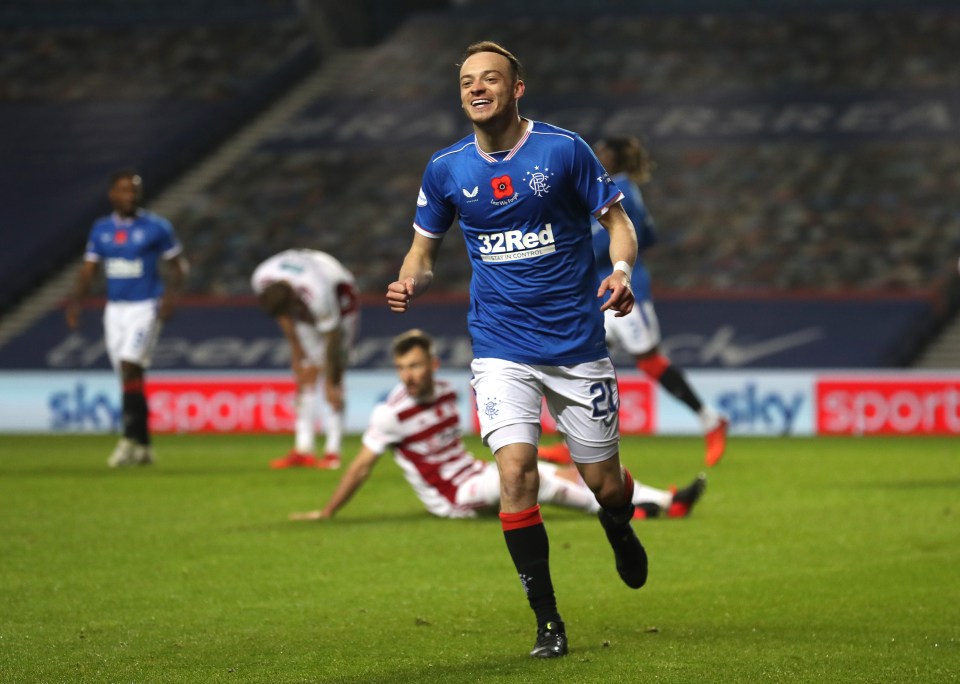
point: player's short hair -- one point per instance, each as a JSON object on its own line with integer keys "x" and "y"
{"x": 631, "y": 156}
{"x": 489, "y": 46}
{"x": 276, "y": 298}
{"x": 125, "y": 173}
{"x": 411, "y": 339}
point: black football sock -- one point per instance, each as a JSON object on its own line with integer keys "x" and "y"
{"x": 135, "y": 413}
{"x": 676, "y": 384}
{"x": 529, "y": 548}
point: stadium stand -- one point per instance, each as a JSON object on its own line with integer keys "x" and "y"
{"x": 822, "y": 170}
{"x": 90, "y": 88}
{"x": 860, "y": 205}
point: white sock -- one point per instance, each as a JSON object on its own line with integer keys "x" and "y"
{"x": 562, "y": 492}
{"x": 333, "y": 429}
{"x": 709, "y": 418}
{"x": 644, "y": 494}
{"x": 305, "y": 425}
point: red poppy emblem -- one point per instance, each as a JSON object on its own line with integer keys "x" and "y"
{"x": 502, "y": 187}
{"x": 121, "y": 237}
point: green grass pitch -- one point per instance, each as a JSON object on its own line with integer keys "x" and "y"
{"x": 808, "y": 560}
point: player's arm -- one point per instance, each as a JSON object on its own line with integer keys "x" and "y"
{"x": 352, "y": 480}
{"x": 304, "y": 372}
{"x": 333, "y": 372}
{"x": 176, "y": 269}
{"x": 81, "y": 286}
{"x": 416, "y": 273}
{"x": 623, "y": 255}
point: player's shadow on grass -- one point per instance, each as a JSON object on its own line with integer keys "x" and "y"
{"x": 515, "y": 665}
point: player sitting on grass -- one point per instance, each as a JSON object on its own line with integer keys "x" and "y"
{"x": 420, "y": 422}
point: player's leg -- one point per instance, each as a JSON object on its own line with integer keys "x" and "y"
{"x": 332, "y": 421}
{"x": 334, "y": 418}
{"x": 585, "y": 400}
{"x": 113, "y": 328}
{"x": 508, "y": 398}
{"x": 639, "y": 334}
{"x": 305, "y": 423}
{"x": 133, "y": 330}
{"x": 135, "y": 409}
{"x": 565, "y": 487}
{"x": 305, "y": 403}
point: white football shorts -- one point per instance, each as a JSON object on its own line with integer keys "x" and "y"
{"x": 314, "y": 342}
{"x": 131, "y": 330}
{"x": 636, "y": 333}
{"x": 583, "y": 399}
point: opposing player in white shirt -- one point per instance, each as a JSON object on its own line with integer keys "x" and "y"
{"x": 132, "y": 245}
{"x": 420, "y": 423}
{"x": 315, "y": 302}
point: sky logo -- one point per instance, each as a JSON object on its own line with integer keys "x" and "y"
{"x": 80, "y": 410}
{"x": 754, "y": 410}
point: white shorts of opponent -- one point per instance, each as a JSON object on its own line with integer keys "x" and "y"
{"x": 314, "y": 341}
{"x": 636, "y": 333}
{"x": 131, "y": 330}
{"x": 582, "y": 398}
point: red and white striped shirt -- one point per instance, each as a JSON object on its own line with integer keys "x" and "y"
{"x": 427, "y": 445}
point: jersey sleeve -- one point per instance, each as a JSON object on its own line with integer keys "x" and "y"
{"x": 383, "y": 430}
{"x": 435, "y": 213}
{"x": 169, "y": 244}
{"x": 593, "y": 183}
{"x": 90, "y": 253}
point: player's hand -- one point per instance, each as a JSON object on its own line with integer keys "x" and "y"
{"x": 399, "y": 294}
{"x": 310, "y": 515}
{"x": 621, "y": 294}
{"x": 304, "y": 372}
{"x": 334, "y": 395}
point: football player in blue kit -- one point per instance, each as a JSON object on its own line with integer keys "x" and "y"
{"x": 525, "y": 193}
{"x": 638, "y": 333}
{"x": 132, "y": 245}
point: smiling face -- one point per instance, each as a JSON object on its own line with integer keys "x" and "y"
{"x": 489, "y": 90}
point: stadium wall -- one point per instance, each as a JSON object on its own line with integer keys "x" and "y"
{"x": 758, "y": 402}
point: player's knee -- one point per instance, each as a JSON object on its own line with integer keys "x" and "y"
{"x": 653, "y": 365}
{"x": 519, "y": 480}
{"x": 609, "y": 493}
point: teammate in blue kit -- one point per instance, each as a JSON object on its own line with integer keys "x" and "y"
{"x": 132, "y": 244}
{"x": 638, "y": 333}
{"x": 525, "y": 193}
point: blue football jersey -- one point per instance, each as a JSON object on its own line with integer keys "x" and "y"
{"x": 130, "y": 251}
{"x": 525, "y": 215}
{"x": 646, "y": 237}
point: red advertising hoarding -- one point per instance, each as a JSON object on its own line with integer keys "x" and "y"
{"x": 903, "y": 406}
{"x": 221, "y": 405}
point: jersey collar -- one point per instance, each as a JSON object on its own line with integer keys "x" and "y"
{"x": 512, "y": 153}
{"x": 121, "y": 222}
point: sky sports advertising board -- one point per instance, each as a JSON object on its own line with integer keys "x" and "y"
{"x": 757, "y": 402}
